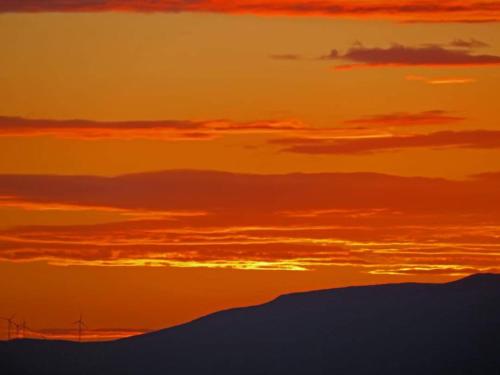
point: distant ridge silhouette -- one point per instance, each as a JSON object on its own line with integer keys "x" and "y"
{"x": 408, "y": 328}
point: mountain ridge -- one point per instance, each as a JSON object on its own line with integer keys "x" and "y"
{"x": 410, "y": 328}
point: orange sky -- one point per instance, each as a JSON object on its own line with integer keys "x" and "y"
{"x": 162, "y": 160}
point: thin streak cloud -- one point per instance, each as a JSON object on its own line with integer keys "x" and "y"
{"x": 162, "y": 130}
{"x": 467, "y": 139}
{"x": 408, "y": 11}
{"x": 398, "y": 55}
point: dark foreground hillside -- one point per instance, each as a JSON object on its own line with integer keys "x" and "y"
{"x": 451, "y": 328}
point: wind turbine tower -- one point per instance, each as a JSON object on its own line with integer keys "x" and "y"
{"x": 81, "y": 324}
{"x": 10, "y": 323}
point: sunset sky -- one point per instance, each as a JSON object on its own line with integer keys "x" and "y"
{"x": 161, "y": 160}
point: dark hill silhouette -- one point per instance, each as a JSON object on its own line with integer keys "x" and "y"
{"x": 410, "y": 328}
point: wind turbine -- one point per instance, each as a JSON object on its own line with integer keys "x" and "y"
{"x": 10, "y": 322}
{"x": 81, "y": 324}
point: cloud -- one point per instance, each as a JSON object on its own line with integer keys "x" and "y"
{"x": 173, "y": 130}
{"x": 295, "y": 222}
{"x": 125, "y": 213}
{"x": 162, "y": 130}
{"x": 470, "y": 43}
{"x": 399, "y": 55}
{"x": 434, "y": 117}
{"x": 473, "y": 139}
{"x": 489, "y": 176}
{"x": 286, "y": 56}
{"x": 223, "y": 192}
{"x": 409, "y": 10}
{"x": 400, "y": 246}
{"x": 441, "y": 80}
{"x": 168, "y": 130}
